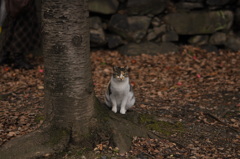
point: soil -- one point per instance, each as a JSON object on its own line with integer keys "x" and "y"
{"x": 189, "y": 99}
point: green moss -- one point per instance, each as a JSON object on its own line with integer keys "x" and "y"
{"x": 190, "y": 53}
{"x": 162, "y": 127}
{"x": 101, "y": 111}
{"x": 103, "y": 63}
{"x": 220, "y": 27}
{"x": 57, "y": 135}
{"x": 221, "y": 14}
{"x": 231, "y": 114}
{"x": 82, "y": 151}
{"x": 39, "y": 118}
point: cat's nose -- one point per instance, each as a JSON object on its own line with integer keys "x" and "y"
{"x": 121, "y": 77}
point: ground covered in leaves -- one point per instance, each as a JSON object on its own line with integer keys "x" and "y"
{"x": 190, "y": 99}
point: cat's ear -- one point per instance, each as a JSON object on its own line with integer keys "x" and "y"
{"x": 114, "y": 68}
{"x": 127, "y": 68}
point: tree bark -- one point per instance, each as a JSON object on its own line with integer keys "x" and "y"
{"x": 69, "y": 96}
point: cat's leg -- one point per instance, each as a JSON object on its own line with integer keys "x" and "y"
{"x": 123, "y": 105}
{"x": 114, "y": 104}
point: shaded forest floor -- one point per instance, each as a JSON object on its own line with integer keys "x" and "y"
{"x": 190, "y": 99}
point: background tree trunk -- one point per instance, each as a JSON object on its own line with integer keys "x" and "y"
{"x": 69, "y": 97}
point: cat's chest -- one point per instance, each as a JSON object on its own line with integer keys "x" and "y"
{"x": 120, "y": 88}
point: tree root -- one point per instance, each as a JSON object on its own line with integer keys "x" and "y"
{"x": 124, "y": 127}
{"x": 221, "y": 122}
{"x": 42, "y": 142}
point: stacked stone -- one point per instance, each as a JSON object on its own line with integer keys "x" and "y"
{"x": 160, "y": 26}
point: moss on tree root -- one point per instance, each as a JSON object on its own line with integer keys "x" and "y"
{"x": 118, "y": 128}
{"x": 162, "y": 127}
{"x": 40, "y": 143}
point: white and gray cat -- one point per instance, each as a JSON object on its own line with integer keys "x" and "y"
{"x": 119, "y": 94}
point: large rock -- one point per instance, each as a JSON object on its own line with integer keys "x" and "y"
{"x": 143, "y": 7}
{"x": 161, "y": 29}
{"x": 97, "y": 35}
{"x": 233, "y": 42}
{"x": 114, "y": 41}
{"x": 132, "y": 28}
{"x": 237, "y": 17}
{"x": 133, "y": 49}
{"x": 200, "y": 22}
{"x": 103, "y": 6}
{"x": 170, "y": 36}
{"x": 138, "y": 26}
{"x": 168, "y": 47}
{"x": 119, "y": 24}
{"x": 190, "y": 5}
{"x": 218, "y": 38}
{"x": 151, "y": 35}
{"x": 217, "y": 2}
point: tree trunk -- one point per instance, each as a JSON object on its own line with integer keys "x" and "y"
{"x": 69, "y": 96}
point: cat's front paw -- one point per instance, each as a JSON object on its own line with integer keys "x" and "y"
{"x": 123, "y": 111}
{"x": 114, "y": 109}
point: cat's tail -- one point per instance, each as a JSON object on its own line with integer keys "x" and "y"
{"x": 131, "y": 101}
{"x": 107, "y": 100}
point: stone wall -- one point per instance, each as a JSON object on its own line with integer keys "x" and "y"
{"x": 153, "y": 26}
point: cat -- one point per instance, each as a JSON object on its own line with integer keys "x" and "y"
{"x": 119, "y": 94}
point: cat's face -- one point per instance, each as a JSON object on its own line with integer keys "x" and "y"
{"x": 120, "y": 73}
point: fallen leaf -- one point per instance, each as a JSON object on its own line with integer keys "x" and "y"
{"x": 40, "y": 87}
{"x": 10, "y": 134}
{"x": 133, "y": 61}
{"x": 179, "y": 83}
